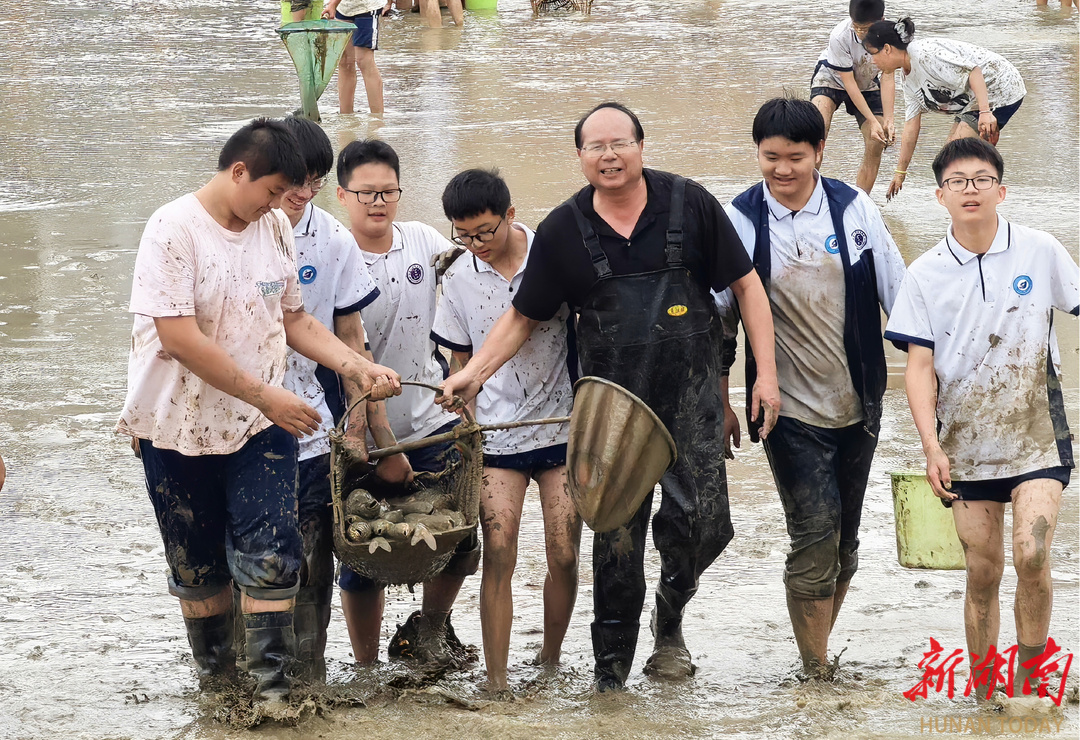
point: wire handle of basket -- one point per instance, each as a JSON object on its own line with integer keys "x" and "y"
{"x": 341, "y": 425}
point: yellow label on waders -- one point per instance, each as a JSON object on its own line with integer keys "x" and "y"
{"x": 677, "y": 310}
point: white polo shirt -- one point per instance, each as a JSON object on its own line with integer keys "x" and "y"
{"x": 845, "y": 54}
{"x": 940, "y": 72}
{"x": 398, "y": 325}
{"x": 989, "y": 321}
{"x": 534, "y": 383}
{"x": 807, "y": 293}
{"x": 335, "y": 281}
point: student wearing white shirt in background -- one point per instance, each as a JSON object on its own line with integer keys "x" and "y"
{"x": 398, "y": 324}
{"x": 845, "y": 74}
{"x": 534, "y": 384}
{"x": 981, "y": 89}
{"x": 983, "y": 381}
{"x": 360, "y": 51}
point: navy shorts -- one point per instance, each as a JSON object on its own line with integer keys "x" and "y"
{"x": 873, "y": 99}
{"x": 531, "y": 463}
{"x": 821, "y": 476}
{"x": 228, "y": 517}
{"x": 1001, "y": 489}
{"x": 366, "y": 34}
{"x": 1002, "y": 114}
{"x": 431, "y": 459}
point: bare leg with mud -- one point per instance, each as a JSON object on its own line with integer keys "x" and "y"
{"x": 501, "y": 501}
{"x": 346, "y": 81}
{"x": 871, "y": 161}
{"x": 562, "y": 540}
{"x": 1035, "y": 511}
{"x": 429, "y": 11}
{"x": 980, "y": 526}
{"x": 373, "y": 85}
{"x": 827, "y": 107}
{"x": 363, "y": 612}
{"x": 811, "y": 621}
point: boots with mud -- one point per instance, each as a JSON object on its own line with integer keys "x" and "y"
{"x": 614, "y": 644}
{"x": 428, "y": 639}
{"x": 311, "y": 616}
{"x": 270, "y": 649}
{"x": 670, "y": 659}
{"x": 211, "y": 640}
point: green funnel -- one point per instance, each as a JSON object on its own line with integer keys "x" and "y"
{"x": 315, "y": 47}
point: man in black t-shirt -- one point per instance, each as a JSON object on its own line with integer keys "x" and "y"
{"x": 635, "y": 254}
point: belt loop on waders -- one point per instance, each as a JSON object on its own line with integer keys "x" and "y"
{"x": 592, "y": 241}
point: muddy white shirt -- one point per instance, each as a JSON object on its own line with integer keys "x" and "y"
{"x": 807, "y": 293}
{"x": 236, "y": 285}
{"x": 940, "y": 69}
{"x": 989, "y": 320}
{"x": 334, "y": 281}
{"x": 534, "y": 383}
{"x": 846, "y": 54}
{"x": 398, "y": 325}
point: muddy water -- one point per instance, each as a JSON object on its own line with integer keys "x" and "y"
{"x": 111, "y": 109}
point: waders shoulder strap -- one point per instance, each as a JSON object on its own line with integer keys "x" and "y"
{"x": 592, "y": 241}
{"x": 674, "y": 238}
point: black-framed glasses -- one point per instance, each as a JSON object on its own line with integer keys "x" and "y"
{"x": 959, "y": 184}
{"x": 371, "y": 197}
{"x": 465, "y": 240}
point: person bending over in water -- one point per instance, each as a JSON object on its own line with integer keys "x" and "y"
{"x": 845, "y": 74}
{"x": 979, "y": 88}
{"x": 217, "y": 303}
{"x": 983, "y": 381}
{"x": 534, "y": 384}
{"x": 829, "y": 266}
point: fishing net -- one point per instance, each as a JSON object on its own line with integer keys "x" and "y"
{"x": 315, "y": 48}
{"x": 565, "y": 6}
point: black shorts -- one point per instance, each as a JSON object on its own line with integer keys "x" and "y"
{"x": 531, "y": 463}
{"x": 873, "y": 99}
{"x": 1002, "y": 114}
{"x": 1000, "y": 489}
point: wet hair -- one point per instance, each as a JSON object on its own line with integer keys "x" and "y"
{"x": 866, "y": 11}
{"x": 314, "y": 145}
{"x": 473, "y": 192}
{"x": 794, "y": 119}
{"x": 266, "y": 147}
{"x": 898, "y": 34}
{"x": 368, "y": 151}
{"x": 639, "y": 133}
{"x": 970, "y": 147}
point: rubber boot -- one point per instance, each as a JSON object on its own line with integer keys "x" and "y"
{"x": 670, "y": 658}
{"x": 614, "y": 644}
{"x": 239, "y": 644}
{"x": 431, "y": 639}
{"x": 211, "y": 640}
{"x": 270, "y": 649}
{"x": 311, "y": 616}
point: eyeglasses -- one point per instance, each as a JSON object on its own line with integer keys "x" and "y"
{"x": 371, "y": 197}
{"x": 465, "y": 240}
{"x": 617, "y": 147}
{"x": 959, "y": 184}
{"x": 314, "y": 184}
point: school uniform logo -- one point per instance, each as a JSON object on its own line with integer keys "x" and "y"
{"x": 832, "y": 245}
{"x": 415, "y": 273}
{"x": 1022, "y": 285}
{"x": 270, "y": 289}
{"x": 308, "y": 274}
{"x": 859, "y": 237}
{"x": 677, "y": 310}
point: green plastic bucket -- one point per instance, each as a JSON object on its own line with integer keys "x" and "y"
{"x": 925, "y": 532}
{"x": 314, "y": 12}
{"x": 481, "y": 4}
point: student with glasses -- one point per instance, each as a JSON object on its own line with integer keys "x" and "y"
{"x": 976, "y": 315}
{"x": 398, "y": 255}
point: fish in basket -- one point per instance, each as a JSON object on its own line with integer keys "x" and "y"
{"x": 405, "y": 535}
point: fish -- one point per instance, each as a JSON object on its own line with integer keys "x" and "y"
{"x": 433, "y": 522}
{"x": 361, "y": 503}
{"x": 411, "y": 506}
{"x": 394, "y": 516}
{"x": 379, "y": 527}
{"x": 378, "y": 543}
{"x": 420, "y": 532}
{"x": 401, "y": 531}
{"x": 358, "y": 531}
